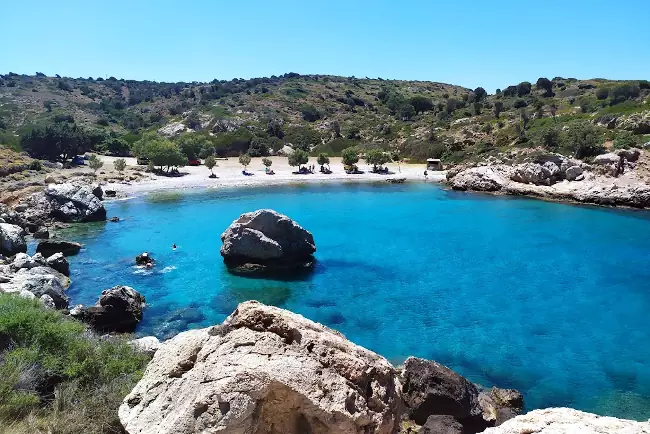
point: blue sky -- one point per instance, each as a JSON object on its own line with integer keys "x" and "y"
{"x": 491, "y": 43}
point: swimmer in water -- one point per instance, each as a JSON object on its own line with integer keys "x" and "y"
{"x": 174, "y": 246}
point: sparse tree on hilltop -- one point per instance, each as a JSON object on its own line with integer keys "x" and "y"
{"x": 480, "y": 93}
{"x": 498, "y": 108}
{"x": 546, "y": 85}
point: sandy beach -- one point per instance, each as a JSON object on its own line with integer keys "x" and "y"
{"x": 229, "y": 174}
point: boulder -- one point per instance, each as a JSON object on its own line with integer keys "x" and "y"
{"x": 39, "y": 281}
{"x": 118, "y": 309}
{"x": 430, "y": 388}
{"x": 144, "y": 259}
{"x": 110, "y": 193}
{"x": 441, "y": 424}
{"x": 23, "y": 260}
{"x": 605, "y": 159}
{"x": 266, "y": 239}
{"x": 50, "y": 247}
{"x": 48, "y": 301}
{"x": 264, "y": 370}
{"x": 483, "y": 178}
{"x": 147, "y": 344}
{"x": 69, "y": 202}
{"x": 12, "y": 239}
{"x": 572, "y": 173}
{"x": 631, "y": 155}
{"x": 97, "y": 191}
{"x": 531, "y": 173}
{"x": 58, "y": 262}
{"x": 42, "y": 233}
{"x": 568, "y": 421}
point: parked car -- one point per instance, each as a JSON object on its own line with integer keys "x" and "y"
{"x": 194, "y": 162}
{"x": 142, "y": 161}
{"x": 78, "y": 160}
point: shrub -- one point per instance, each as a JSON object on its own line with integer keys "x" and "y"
{"x": 95, "y": 163}
{"x": 323, "y": 159}
{"x": 520, "y": 103}
{"x": 119, "y": 164}
{"x": 245, "y": 160}
{"x": 350, "y": 156}
{"x": 53, "y": 356}
{"x": 548, "y": 137}
{"x": 310, "y": 113}
{"x": 625, "y": 140}
{"x": 498, "y": 108}
{"x": 621, "y": 92}
{"x": 421, "y": 104}
{"x": 267, "y": 162}
{"x": 582, "y": 139}
{"x": 36, "y": 165}
{"x": 602, "y": 93}
{"x": 523, "y": 88}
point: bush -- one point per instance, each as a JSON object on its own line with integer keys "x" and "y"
{"x": 602, "y": 93}
{"x": 55, "y": 142}
{"x": 581, "y": 138}
{"x": 520, "y": 103}
{"x": 53, "y": 356}
{"x": 323, "y": 159}
{"x": 245, "y": 160}
{"x": 523, "y": 88}
{"x": 548, "y": 137}
{"x": 95, "y": 163}
{"x": 36, "y": 165}
{"x": 421, "y": 104}
{"x": 622, "y": 92}
{"x": 310, "y": 113}
{"x": 119, "y": 164}
{"x": 625, "y": 140}
{"x": 267, "y": 162}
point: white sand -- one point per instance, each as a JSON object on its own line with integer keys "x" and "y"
{"x": 229, "y": 173}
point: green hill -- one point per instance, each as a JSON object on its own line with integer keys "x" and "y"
{"x": 326, "y": 113}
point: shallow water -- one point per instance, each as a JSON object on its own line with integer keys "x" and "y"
{"x": 547, "y": 298}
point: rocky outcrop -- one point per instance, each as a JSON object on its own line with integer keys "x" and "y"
{"x": 27, "y": 274}
{"x": 12, "y": 239}
{"x": 483, "y": 178}
{"x": 568, "y": 421}
{"x": 638, "y": 123}
{"x": 69, "y": 202}
{"x": 147, "y": 344}
{"x": 266, "y": 240}
{"x": 573, "y": 173}
{"x": 441, "y": 424}
{"x": 118, "y": 309}
{"x": 50, "y": 247}
{"x": 264, "y": 370}
{"x": 430, "y": 388}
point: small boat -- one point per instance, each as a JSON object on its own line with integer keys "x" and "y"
{"x": 396, "y": 180}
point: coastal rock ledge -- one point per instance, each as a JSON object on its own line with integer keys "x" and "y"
{"x": 264, "y": 370}
{"x": 266, "y": 240}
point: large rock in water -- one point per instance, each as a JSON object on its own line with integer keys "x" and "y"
{"x": 482, "y": 178}
{"x": 264, "y": 370}
{"x": 69, "y": 202}
{"x": 49, "y": 247}
{"x": 430, "y": 388}
{"x": 118, "y": 309}
{"x": 266, "y": 239}
{"x": 12, "y": 239}
{"x": 568, "y": 421}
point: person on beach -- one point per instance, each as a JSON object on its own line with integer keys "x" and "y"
{"x": 426, "y": 175}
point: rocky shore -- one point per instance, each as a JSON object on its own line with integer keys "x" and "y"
{"x": 612, "y": 179}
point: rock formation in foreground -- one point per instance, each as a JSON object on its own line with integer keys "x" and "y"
{"x": 268, "y": 370}
{"x": 118, "y": 309}
{"x": 12, "y": 239}
{"x": 568, "y": 421}
{"x": 266, "y": 240}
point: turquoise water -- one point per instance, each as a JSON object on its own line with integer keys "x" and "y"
{"x": 547, "y": 298}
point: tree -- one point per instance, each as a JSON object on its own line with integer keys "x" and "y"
{"x": 164, "y": 153}
{"x": 95, "y": 163}
{"x": 376, "y": 157}
{"x": 520, "y": 103}
{"x": 546, "y": 85}
{"x": 548, "y": 137}
{"x": 602, "y": 93}
{"x": 245, "y": 160}
{"x": 624, "y": 91}
{"x": 354, "y": 133}
{"x": 322, "y": 160}
{"x": 191, "y": 145}
{"x": 406, "y": 112}
{"x": 498, "y": 108}
{"x": 55, "y": 142}
{"x": 258, "y": 147}
{"x": 298, "y": 158}
{"x": 396, "y": 156}
{"x": 210, "y": 162}
{"x": 119, "y": 164}
{"x": 193, "y": 121}
{"x": 523, "y": 88}
{"x": 274, "y": 128}
{"x": 310, "y": 113}
{"x": 421, "y": 104}
{"x": 267, "y": 162}
{"x": 350, "y": 156}
{"x": 335, "y": 126}
{"x": 480, "y": 93}
{"x": 451, "y": 105}
{"x": 581, "y": 138}
{"x": 116, "y": 147}
{"x": 477, "y": 108}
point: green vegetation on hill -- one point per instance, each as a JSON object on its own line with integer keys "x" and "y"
{"x": 315, "y": 113}
{"x": 55, "y": 377}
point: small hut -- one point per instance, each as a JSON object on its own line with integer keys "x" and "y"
{"x": 434, "y": 164}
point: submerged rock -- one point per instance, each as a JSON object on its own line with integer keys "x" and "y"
{"x": 266, "y": 240}
{"x": 50, "y": 247}
{"x": 264, "y": 370}
{"x": 118, "y": 309}
{"x": 12, "y": 239}
{"x": 568, "y": 421}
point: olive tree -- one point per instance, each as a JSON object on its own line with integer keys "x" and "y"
{"x": 119, "y": 164}
{"x": 350, "y": 156}
{"x": 267, "y": 162}
{"x": 298, "y": 158}
{"x": 95, "y": 163}
{"x": 210, "y": 162}
{"x": 376, "y": 158}
{"x": 322, "y": 160}
{"x": 245, "y": 160}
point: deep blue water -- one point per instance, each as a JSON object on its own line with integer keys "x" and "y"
{"x": 547, "y": 298}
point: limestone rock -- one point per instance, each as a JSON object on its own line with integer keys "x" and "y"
{"x": 118, "y": 309}
{"x": 631, "y": 155}
{"x": 58, "y": 262}
{"x": 267, "y": 239}
{"x": 264, "y": 370}
{"x": 638, "y": 123}
{"x": 39, "y": 281}
{"x": 610, "y": 158}
{"x": 568, "y": 421}
{"x": 147, "y": 344}
{"x": 50, "y": 247}
{"x": 12, "y": 239}
{"x": 69, "y": 202}
{"x": 573, "y": 172}
{"x": 42, "y": 233}
{"x": 482, "y": 178}
{"x": 441, "y": 424}
{"x": 48, "y": 301}
{"x": 172, "y": 129}
{"x": 531, "y": 173}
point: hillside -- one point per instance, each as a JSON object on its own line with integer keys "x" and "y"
{"x": 327, "y": 113}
